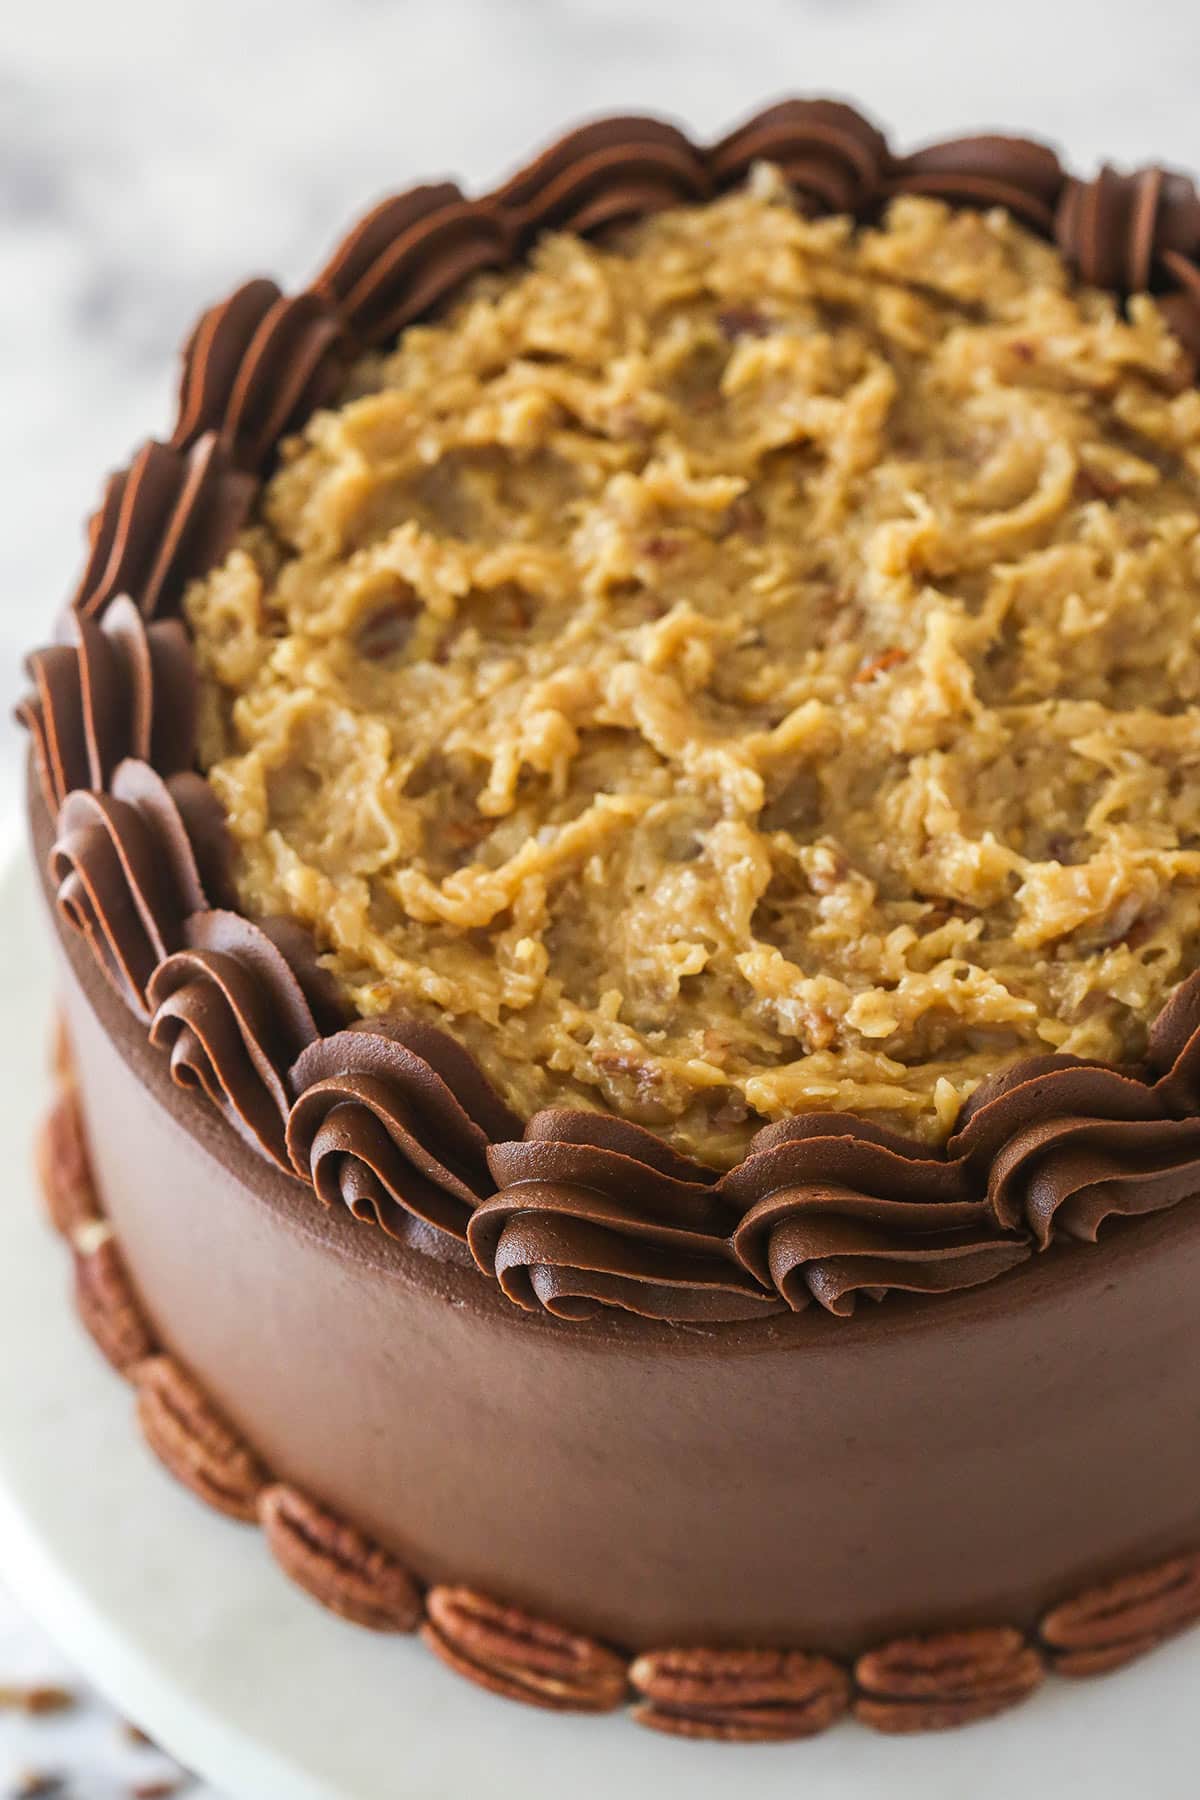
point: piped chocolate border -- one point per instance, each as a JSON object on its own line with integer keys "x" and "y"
{"x": 916, "y": 1683}
{"x": 570, "y": 1211}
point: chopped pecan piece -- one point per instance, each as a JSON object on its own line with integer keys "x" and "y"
{"x": 385, "y": 632}
{"x": 336, "y": 1564}
{"x": 1110, "y": 1625}
{"x": 932, "y": 1683}
{"x": 519, "y": 1657}
{"x": 105, "y": 1300}
{"x": 36, "y": 1698}
{"x": 193, "y": 1441}
{"x": 743, "y": 321}
{"x": 37, "y": 1784}
{"x": 745, "y": 515}
{"x": 879, "y": 665}
{"x": 739, "y": 1696}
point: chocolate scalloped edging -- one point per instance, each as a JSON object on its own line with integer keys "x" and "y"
{"x": 575, "y": 1212}
{"x": 926, "y": 1682}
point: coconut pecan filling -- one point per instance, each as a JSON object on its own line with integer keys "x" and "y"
{"x": 747, "y": 667}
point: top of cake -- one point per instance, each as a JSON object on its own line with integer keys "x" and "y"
{"x": 745, "y": 667}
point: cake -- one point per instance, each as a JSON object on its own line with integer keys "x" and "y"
{"x": 619, "y": 806}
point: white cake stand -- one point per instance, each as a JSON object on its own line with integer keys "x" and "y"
{"x": 183, "y": 1620}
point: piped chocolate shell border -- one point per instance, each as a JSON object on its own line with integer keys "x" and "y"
{"x": 569, "y": 1212}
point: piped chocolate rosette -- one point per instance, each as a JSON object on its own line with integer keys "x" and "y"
{"x": 571, "y": 1213}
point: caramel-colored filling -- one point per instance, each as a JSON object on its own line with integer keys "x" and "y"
{"x": 745, "y": 668}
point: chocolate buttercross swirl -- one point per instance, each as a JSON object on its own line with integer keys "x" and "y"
{"x": 233, "y": 1017}
{"x": 392, "y": 1120}
{"x": 131, "y": 865}
{"x": 121, "y": 688}
{"x": 1173, "y": 1052}
{"x": 254, "y": 366}
{"x": 408, "y": 254}
{"x": 167, "y": 518}
{"x": 834, "y": 1209}
{"x": 1063, "y": 1145}
{"x": 593, "y": 1212}
{"x": 1181, "y": 307}
{"x": 1119, "y": 230}
{"x": 601, "y": 174}
{"x": 1014, "y": 172}
{"x": 834, "y": 158}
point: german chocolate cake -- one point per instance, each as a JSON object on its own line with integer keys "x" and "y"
{"x": 621, "y": 807}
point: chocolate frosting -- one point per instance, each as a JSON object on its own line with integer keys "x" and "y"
{"x": 408, "y": 255}
{"x": 1116, "y": 230}
{"x": 835, "y": 1208}
{"x": 594, "y": 1212}
{"x": 1181, "y": 306}
{"x": 603, "y": 173}
{"x": 834, "y": 158}
{"x": 233, "y": 1017}
{"x": 169, "y": 516}
{"x": 577, "y": 1212}
{"x": 1018, "y": 173}
{"x": 393, "y": 1120}
{"x": 128, "y": 870}
{"x": 120, "y": 689}
{"x": 254, "y": 366}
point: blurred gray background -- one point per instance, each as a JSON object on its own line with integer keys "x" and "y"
{"x": 154, "y": 152}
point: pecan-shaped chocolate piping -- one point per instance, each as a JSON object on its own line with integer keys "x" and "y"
{"x": 1110, "y": 1625}
{"x": 392, "y": 1119}
{"x": 254, "y": 367}
{"x": 167, "y": 518}
{"x": 121, "y": 688}
{"x": 1014, "y": 172}
{"x": 234, "y": 1019}
{"x": 834, "y": 1209}
{"x": 192, "y": 1440}
{"x": 409, "y": 254}
{"x": 610, "y": 170}
{"x": 834, "y": 158}
{"x": 1064, "y": 1145}
{"x": 511, "y": 1653}
{"x": 593, "y": 1212}
{"x": 105, "y": 1300}
{"x": 932, "y": 1683}
{"x": 130, "y": 865}
{"x": 332, "y": 1560}
{"x": 1117, "y": 230}
{"x": 738, "y": 1696}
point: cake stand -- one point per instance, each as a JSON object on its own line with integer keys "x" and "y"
{"x": 181, "y": 1617}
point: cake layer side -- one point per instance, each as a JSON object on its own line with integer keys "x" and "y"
{"x": 796, "y": 1481}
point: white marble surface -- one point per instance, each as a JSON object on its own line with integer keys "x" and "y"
{"x": 152, "y": 152}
